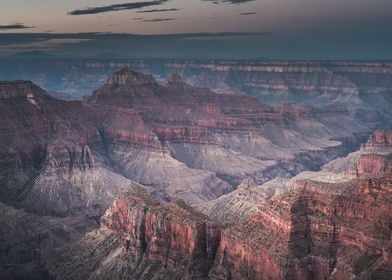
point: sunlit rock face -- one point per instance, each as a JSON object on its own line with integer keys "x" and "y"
{"x": 297, "y": 242}
{"x": 141, "y": 237}
{"x": 323, "y": 225}
{"x": 376, "y": 154}
{"x": 310, "y": 235}
{"x": 169, "y": 233}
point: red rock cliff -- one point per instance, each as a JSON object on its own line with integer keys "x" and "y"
{"x": 171, "y": 234}
{"x": 313, "y": 235}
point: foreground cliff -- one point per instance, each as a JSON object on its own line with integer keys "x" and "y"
{"x": 310, "y": 235}
{"x": 323, "y": 224}
{"x": 322, "y": 227}
{"x": 144, "y": 239}
{"x": 303, "y": 234}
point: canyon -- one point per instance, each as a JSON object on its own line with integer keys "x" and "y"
{"x": 152, "y": 178}
{"x": 320, "y": 228}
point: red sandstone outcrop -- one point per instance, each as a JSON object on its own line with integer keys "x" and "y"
{"x": 321, "y": 227}
{"x": 170, "y": 233}
{"x": 310, "y": 235}
{"x": 376, "y": 155}
{"x": 382, "y": 137}
{"x": 381, "y": 141}
{"x": 338, "y": 231}
{"x": 145, "y": 239}
{"x": 184, "y": 134}
{"x": 374, "y": 164}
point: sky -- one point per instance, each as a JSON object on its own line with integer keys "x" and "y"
{"x": 295, "y": 29}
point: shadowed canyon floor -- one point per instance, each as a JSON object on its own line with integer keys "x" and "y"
{"x": 186, "y": 183}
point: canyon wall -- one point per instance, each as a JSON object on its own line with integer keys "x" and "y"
{"x": 322, "y": 227}
{"x": 152, "y": 151}
{"x": 299, "y": 235}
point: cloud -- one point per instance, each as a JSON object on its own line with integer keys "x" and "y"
{"x": 116, "y": 7}
{"x": 158, "y": 19}
{"x": 229, "y": 1}
{"x": 14, "y": 26}
{"x": 158, "y": 10}
{"x": 248, "y": 13}
{"x": 44, "y": 45}
{"x": 20, "y": 39}
{"x": 79, "y": 45}
{"x": 229, "y": 45}
{"x": 237, "y": 1}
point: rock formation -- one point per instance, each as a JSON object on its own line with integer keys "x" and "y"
{"x": 319, "y": 227}
{"x": 143, "y": 235}
{"x": 166, "y": 159}
{"x": 315, "y": 77}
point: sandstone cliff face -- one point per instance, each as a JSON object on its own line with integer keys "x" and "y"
{"x": 307, "y": 235}
{"x": 380, "y": 142}
{"x": 318, "y": 225}
{"x": 178, "y": 241}
{"x": 374, "y": 165}
{"x": 167, "y": 233}
{"x": 382, "y": 138}
{"x": 324, "y": 225}
{"x": 338, "y": 231}
{"x": 376, "y": 155}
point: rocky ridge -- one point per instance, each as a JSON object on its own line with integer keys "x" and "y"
{"x": 71, "y": 160}
{"x": 316, "y": 229}
{"x": 220, "y": 75}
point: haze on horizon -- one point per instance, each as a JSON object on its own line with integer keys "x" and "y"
{"x": 342, "y": 27}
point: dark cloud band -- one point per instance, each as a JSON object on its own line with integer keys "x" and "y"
{"x": 229, "y": 1}
{"x": 15, "y": 26}
{"x": 116, "y": 7}
{"x": 248, "y": 13}
{"x": 158, "y": 10}
{"x": 158, "y": 19}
